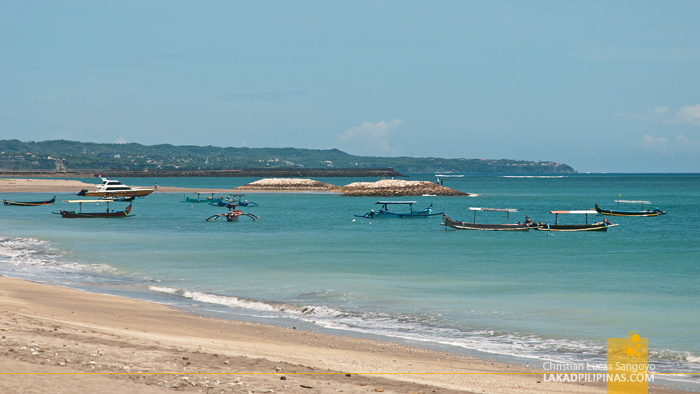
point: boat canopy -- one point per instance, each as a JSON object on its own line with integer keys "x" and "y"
{"x": 396, "y": 202}
{"x": 588, "y": 211}
{"x": 634, "y": 202}
{"x": 494, "y": 209}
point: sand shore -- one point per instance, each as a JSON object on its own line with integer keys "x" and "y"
{"x": 62, "y": 340}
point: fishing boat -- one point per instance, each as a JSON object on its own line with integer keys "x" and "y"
{"x": 617, "y": 212}
{"x": 232, "y": 215}
{"x": 597, "y": 226}
{"x": 384, "y": 212}
{"x": 460, "y": 225}
{"x": 112, "y": 188}
{"x": 105, "y": 214}
{"x": 231, "y": 198}
{"x": 199, "y": 199}
{"x": 30, "y": 203}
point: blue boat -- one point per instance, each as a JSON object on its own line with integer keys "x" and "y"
{"x": 384, "y": 212}
{"x": 230, "y": 199}
{"x": 199, "y": 199}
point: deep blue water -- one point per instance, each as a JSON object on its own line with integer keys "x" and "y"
{"x": 308, "y": 260}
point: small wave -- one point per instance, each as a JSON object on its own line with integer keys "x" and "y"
{"x": 247, "y": 303}
{"x": 33, "y": 256}
{"x": 692, "y": 359}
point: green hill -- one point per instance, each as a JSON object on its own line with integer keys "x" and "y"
{"x": 73, "y": 155}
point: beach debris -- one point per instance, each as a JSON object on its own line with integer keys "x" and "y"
{"x": 379, "y": 390}
{"x": 226, "y": 362}
{"x": 306, "y": 387}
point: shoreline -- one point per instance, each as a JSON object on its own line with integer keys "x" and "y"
{"x": 151, "y": 327}
{"x": 63, "y": 338}
{"x": 48, "y": 329}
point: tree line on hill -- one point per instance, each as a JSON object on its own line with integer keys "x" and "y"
{"x": 73, "y": 155}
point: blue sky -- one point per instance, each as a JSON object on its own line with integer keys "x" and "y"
{"x": 602, "y": 86}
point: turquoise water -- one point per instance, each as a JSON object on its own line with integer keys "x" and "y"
{"x": 309, "y": 261}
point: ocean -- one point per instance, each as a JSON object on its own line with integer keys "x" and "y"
{"x": 308, "y": 262}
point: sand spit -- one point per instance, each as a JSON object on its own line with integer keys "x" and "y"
{"x": 382, "y": 188}
{"x": 398, "y": 188}
{"x": 10, "y": 185}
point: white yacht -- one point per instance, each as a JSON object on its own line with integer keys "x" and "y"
{"x": 112, "y": 188}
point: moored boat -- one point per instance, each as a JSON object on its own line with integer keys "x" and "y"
{"x": 198, "y": 200}
{"x": 384, "y": 212}
{"x": 597, "y": 226}
{"x": 232, "y": 215}
{"x": 461, "y": 225}
{"x": 642, "y": 213}
{"x": 113, "y": 188}
{"x": 231, "y": 198}
{"x": 106, "y": 214}
{"x": 30, "y": 203}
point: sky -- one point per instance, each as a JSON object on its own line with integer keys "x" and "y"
{"x": 602, "y": 86}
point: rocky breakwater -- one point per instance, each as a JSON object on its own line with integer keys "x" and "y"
{"x": 397, "y": 188}
{"x": 289, "y": 184}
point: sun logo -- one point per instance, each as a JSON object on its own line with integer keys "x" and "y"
{"x": 633, "y": 347}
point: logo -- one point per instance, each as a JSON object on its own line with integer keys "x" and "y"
{"x": 627, "y": 370}
{"x": 628, "y": 365}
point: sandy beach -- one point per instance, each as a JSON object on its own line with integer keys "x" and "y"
{"x": 66, "y": 341}
{"x": 60, "y": 340}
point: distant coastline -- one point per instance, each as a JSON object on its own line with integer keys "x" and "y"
{"x": 136, "y": 159}
{"x": 246, "y": 172}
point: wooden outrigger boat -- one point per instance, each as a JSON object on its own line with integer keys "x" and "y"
{"x": 648, "y": 212}
{"x": 107, "y": 214}
{"x": 231, "y": 198}
{"x": 199, "y": 199}
{"x": 384, "y": 212}
{"x": 597, "y": 226}
{"x": 30, "y": 203}
{"x": 232, "y": 215}
{"x": 460, "y": 225}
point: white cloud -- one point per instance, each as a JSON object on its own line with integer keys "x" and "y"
{"x": 650, "y": 114}
{"x": 120, "y": 140}
{"x": 680, "y": 145}
{"x": 369, "y": 138}
{"x": 689, "y": 114}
